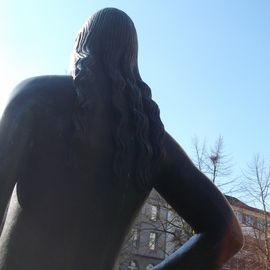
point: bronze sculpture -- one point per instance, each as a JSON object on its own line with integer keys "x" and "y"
{"x": 83, "y": 153}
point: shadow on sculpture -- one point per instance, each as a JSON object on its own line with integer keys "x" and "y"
{"x": 84, "y": 151}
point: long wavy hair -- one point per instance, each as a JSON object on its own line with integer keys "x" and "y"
{"x": 110, "y": 38}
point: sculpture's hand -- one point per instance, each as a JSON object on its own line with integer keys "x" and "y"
{"x": 14, "y": 135}
{"x": 218, "y": 236}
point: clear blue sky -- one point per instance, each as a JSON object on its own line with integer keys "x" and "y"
{"x": 207, "y": 62}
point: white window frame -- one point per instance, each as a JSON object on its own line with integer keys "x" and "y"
{"x": 154, "y": 213}
{"x": 135, "y": 237}
{"x": 152, "y": 240}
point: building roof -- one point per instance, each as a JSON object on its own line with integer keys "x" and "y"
{"x": 237, "y": 203}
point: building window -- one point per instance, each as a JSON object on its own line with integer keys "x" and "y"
{"x": 133, "y": 265}
{"x": 243, "y": 218}
{"x": 239, "y": 216}
{"x": 149, "y": 266}
{"x": 250, "y": 221}
{"x": 154, "y": 212}
{"x": 152, "y": 240}
{"x": 135, "y": 237}
{"x": 261, "y": 224}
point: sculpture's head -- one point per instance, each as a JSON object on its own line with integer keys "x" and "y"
{"x": 109, "y": 41}
{"x": 108, "y": 37}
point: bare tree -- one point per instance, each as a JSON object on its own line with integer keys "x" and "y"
{"x": 215, "y": 163}
{"x": 257, "y": 182}
{"x": 257, "y": 232}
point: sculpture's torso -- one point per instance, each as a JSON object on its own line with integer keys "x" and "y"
{"x": 65, "y": 214}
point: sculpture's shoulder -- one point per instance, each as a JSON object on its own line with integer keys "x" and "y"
{"x": 41, "y": 87}
{"x": 43, "y": 91}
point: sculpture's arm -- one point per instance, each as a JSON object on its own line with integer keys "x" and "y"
{"x": 193, "y": 196}
{"x": 14, "y": 135}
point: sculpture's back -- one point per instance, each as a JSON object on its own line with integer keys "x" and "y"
{"x": 84, "y": 153}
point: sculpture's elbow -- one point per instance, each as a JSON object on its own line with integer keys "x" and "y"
{"x": 237, "y": 237}
{"x": 232, "y": 242}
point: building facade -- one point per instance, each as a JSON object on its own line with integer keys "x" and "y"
{"x": 145, "y": 246}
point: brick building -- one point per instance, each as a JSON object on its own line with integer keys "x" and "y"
{"x": 255, "y": 226}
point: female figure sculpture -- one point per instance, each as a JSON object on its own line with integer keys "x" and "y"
{"x": 84, "y": 151}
